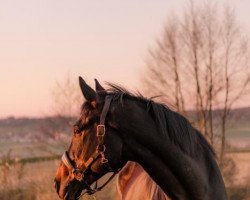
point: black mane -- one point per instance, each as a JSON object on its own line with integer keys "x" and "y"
{"x": 171, "y": 124}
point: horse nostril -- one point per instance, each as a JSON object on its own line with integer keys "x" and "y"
{"x": 57, "y": 185}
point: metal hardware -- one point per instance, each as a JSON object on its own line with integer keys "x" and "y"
{"x": 100, "y": 149}
{"x": 104, "y": 160}
{"x": 100, "y": 132}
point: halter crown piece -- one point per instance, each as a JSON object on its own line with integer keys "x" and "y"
{"x": 100, "y": 152}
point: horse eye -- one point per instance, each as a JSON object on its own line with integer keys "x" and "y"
{"x": 76, "y": 130}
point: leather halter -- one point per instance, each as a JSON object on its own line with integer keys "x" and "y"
{"x": 100, "y": 150}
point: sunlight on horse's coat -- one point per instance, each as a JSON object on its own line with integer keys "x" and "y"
{"x": 173, "y": 152}
{"x": 135, "y": 183}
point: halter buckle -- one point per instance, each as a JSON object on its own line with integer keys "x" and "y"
{"x": 78, "y": 176}
{"x": 104, "y": 160}
{"x": 100, "y": 130}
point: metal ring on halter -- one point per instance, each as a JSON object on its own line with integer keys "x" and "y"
{"x": 101, "y": 148}
{"x": 100, "y": 132}
{"x": 104, "y": 160}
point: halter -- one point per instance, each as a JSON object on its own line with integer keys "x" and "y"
{"x": 99, "y": 153}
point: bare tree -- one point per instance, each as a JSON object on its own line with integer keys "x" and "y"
{"x": 234, "y": 70}
{"x": 167, "y": 54}
{"x": 67, "y": 98}
{"x": 201, "y": 62}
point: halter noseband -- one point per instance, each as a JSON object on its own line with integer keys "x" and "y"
{"x": 100, "y": 149}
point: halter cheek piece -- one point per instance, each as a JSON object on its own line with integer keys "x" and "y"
{"x": 99, "y": 153}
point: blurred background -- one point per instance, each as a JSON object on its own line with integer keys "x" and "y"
{"x": 194, "y": 55}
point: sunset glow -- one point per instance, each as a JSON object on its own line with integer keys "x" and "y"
{"x": 42, "y": 41}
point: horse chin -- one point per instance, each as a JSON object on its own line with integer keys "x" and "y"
{"x": 69, "y": 196}
{"x": 72, "y": 196}
{"x": 73, "y": 191}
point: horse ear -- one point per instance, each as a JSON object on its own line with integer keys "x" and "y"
{"x": 88, "y": 93}
{"x": 100, "y": 92}
{"x": 98, "y": 86}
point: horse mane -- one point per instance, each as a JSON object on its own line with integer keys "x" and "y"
{"x": 171, "y": 125}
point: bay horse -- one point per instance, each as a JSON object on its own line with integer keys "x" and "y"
{"x": 116, "y": 126}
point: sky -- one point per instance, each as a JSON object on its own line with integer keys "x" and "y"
{"x": 41, "y": 41}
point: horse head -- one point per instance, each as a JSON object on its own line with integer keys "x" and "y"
{"x": 95, "y": 149}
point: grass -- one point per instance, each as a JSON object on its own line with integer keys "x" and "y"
{"x": 26, "y": 150}
{"x": 33, "y": 177}
{"x": 28, "y": 169}
{"x": 36, "y": 183}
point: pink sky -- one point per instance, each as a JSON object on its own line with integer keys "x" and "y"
{"x": 43, "y": 40}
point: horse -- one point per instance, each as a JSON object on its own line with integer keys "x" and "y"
{"x": 117, "y": 126}
{"x": 134, "y": 183}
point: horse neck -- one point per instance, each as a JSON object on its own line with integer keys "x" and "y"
{"x": 170, "y": 168}
{"x": 158, "y": 171}
{"x": 179, "y": 174}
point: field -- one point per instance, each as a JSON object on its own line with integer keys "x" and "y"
{"x": 36, "y": 180}
{"x": 33, "y": 179}
{"x": 30, "y": 155}
{"x": 242, "y": 159}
